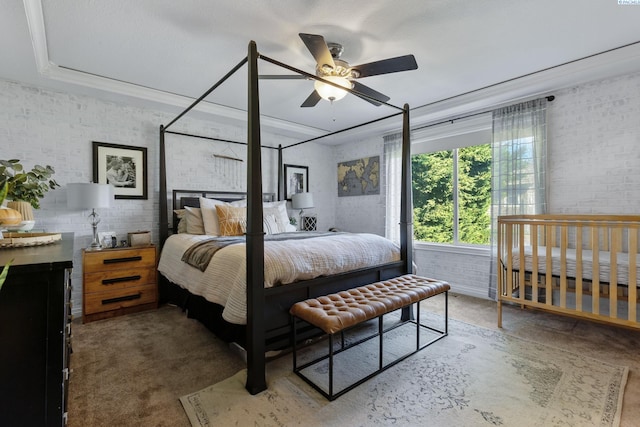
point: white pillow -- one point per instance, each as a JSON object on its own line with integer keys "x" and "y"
{"x": 277, "y": 209}
{"x": 194, "y": 220}
{"x": 210, "y": 216}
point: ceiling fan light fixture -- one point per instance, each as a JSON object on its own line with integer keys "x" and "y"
{"x": 332, "y": 93}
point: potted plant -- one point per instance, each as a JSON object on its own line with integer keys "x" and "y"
{"x": 26, "y": 188}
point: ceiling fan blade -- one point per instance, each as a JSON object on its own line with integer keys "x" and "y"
{"x": 385, "y": 66}
{"x": 312, "y": 100}
{"x": 318, "y": 48}
{"x": 282, "y": 77}
{"x": 366, "y": 90}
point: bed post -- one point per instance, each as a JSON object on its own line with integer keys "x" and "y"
{"x": 406, "y": 204}
{"x": 255, "y": 339}
{"x": 164, "y": 218}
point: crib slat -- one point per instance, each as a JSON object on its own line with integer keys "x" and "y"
{"x": 535, "y": 280}
{"x": 549, "y": 266}
{"x": 578, "y": 277}
{"x": 616, "y": 239}
{"x": 633, "y": 278}
{"x": 523, "y": 267}
{"x": 564, "y": 238}
{"x": 595, "y": 280}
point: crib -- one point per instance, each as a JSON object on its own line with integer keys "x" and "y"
{"x": 577, "y": 265}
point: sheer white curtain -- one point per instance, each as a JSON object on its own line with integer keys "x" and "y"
{"x": 392, "y": 174}
{"x": 519, "y": 160}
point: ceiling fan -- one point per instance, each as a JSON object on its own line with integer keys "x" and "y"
{"x": 330, "y": 67}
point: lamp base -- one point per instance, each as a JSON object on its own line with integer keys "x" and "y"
{"x": 95, "y": 245}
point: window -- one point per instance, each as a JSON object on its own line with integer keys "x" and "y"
{"x": 451, "y": 181}
{"x": 452, "y": 195}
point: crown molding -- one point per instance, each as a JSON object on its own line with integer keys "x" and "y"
{"x": 48, "y": 69}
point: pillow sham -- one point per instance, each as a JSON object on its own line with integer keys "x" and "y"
{"x": 210, "y": 215}
{"x": 194, "y": 220}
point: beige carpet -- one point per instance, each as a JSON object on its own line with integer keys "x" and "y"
{"x": 473, "y": 377}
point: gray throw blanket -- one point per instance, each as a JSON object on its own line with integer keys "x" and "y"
{"x": 199, "y": 254}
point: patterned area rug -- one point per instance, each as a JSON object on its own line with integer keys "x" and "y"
{"x": 473, "y": 377}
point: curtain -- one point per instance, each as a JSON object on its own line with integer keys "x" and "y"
{"x": 519, "y": 159}
{"x": 393, "y": 174}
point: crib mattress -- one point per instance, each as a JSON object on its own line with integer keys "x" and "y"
{"x": 586, "y": 272}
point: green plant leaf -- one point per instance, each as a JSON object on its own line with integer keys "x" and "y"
{"x": 4, "y": 273}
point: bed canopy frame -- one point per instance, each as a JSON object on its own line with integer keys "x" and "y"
{"x": 255, "y": 344}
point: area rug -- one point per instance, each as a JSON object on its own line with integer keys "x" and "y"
{"x": 472, "y": 377}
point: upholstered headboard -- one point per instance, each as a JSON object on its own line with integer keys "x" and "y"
{"x": 182, "y": 198}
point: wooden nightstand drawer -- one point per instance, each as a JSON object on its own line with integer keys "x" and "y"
{"x": 120, "y": 258}
{"x": 116, "y": 299}
{"x": 118, "y": 279}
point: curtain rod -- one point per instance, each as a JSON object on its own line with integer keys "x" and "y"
{"x": 549, "y": 99}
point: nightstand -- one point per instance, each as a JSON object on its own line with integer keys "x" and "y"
{"x": 118, "y": 281}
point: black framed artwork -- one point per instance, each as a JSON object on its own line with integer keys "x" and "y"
{"x": 296, "y": 180}
{"x": 123, "y": 166}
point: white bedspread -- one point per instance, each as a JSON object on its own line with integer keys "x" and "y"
{"x": 224, "y": 280}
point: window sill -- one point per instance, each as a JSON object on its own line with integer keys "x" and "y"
{"x": 457, "y": 249}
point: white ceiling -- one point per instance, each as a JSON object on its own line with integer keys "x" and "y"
{"x": 166, "y": 52}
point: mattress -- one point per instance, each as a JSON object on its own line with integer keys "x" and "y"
{"x": 604, "y": 264}
{"x": 224, "y": 280}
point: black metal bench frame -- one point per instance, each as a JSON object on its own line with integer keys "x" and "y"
{"x": 380, "y": 333}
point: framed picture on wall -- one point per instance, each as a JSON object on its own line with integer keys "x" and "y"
{"x": 296, "y": 180}
{"x": 123, "y": 166}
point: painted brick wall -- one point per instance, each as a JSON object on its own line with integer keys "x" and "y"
{"x": 594, "y": 148}
{"x": 39, "y": 126}
{"x": 359, "y": 214}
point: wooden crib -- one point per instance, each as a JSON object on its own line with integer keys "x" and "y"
{"x": 578, "y": 265}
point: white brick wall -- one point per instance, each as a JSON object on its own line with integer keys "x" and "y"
{"x": 594, "y": 149}
{"x": 40, "y": 126}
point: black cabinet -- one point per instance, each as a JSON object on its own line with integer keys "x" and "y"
{"x": 35, "y": 334}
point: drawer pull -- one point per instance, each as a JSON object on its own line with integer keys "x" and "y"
{"x": 125, "y": 259}
{"x": 119, "y": 299}
{"x": 121, "y": 279}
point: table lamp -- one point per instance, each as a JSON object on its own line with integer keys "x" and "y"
{"x": 302, "y": 201}
{"x": 92, "y": 196}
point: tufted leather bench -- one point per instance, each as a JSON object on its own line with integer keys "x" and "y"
{"x": 337, "y": 312}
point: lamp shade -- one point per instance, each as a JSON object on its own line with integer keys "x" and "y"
{"x": 87, "y": 195}
{"x": 302, "y": 201}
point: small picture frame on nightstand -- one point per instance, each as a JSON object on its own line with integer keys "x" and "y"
{"x": 108, "y": 239}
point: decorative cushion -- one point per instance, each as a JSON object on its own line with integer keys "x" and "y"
{"x": 181, "y": 214}
{"x": 270, "y": 225}
{"x": 277, "y": 209}
{"x": 194, "y": 220}
{"x": 210, "y": 215}
{"x": 232, "y": 220}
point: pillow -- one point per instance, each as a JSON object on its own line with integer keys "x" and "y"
{"x": 269, "y": 224}
{"x": 194, "y": 220}
{"x": 277, "y": 209}
{"x": 181, "y": 214}
{"x": 210, "y": 215}
{"x": 232, "y": 220}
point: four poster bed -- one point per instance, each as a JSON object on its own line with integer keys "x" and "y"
{"x": 266, "y": 323}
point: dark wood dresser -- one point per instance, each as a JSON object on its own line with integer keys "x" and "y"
{"x": 35, "y": 334}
